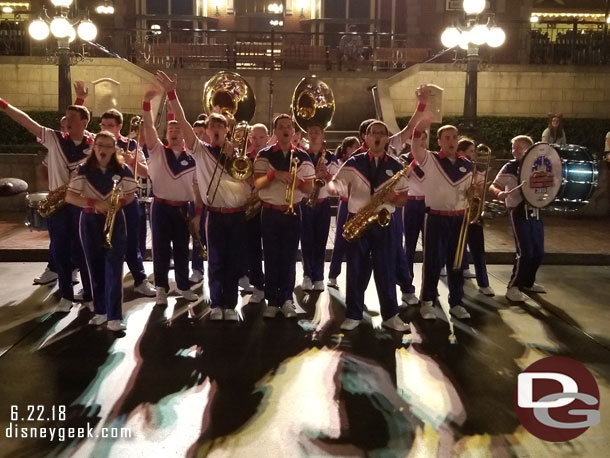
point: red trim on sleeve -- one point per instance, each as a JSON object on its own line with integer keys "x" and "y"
{"x": 79, "y": 101}
{"x": 146, "y": 106}
{"x": 3, "y": 104}
{"x": 421, "y": 106}
{"x": 171, "y": 95}
{"x": 271, "y": 175}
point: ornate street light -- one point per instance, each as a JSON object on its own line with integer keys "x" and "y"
{"x": 469, "y": 37}
{"x": 62, "y": 27}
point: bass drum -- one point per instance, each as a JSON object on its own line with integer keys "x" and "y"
{"x": 33, "y": 220}
{"x": 560, "y": 177}
{"x": 580, "y": 175}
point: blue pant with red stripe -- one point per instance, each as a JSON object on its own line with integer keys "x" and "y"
{"x": 255, "y": 252}
{"x": 196, "y": 259}
{"x": 414, "y": 214}
{"x": 441, "y": 234}
{"x": 134, "y": 255}
{"x": 528, "y": 231}
{"x": 340, "y": 245}
{"x": 403, "y": 278}
{"x": 280, "y": 245}
{"x": 105, "y": 265}
{"x": 377, "y": 247}
{"x": 476, "y": 245}
{"x": 226, "y": 235}
{"x": 315, "y": 225}
{"x": 67, "y": 250}
{"x": 170, "y": 231}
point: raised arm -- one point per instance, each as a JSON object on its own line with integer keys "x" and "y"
{"x": 422, "y": 94}
{"x": 169, "y": 84}
{"x": 81, "y": 92}
{"x": 21, "y": 118}
{"x": 417, "y": 147}
{"x": 150, "y": 133}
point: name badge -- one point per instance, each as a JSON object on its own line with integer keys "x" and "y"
{"x": 184, "y": 163}
{"x": 389, "y": 173}
{"x": 462, "y": 169}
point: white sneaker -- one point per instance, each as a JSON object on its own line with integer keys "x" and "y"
{"x": 288, "y": 309}
{"x": 75, "y": 279}
{"x": 161, "y": 296}
{"x": 459, "y": 312}
{"x": 318, "y": 285}
{"x": 307, "y": 284}
{"x": 444, "y": 272}
{"x": 487, "y": 291}
{"x": 513, "y": 294}
{"x": 395, "y": 323}
{"x": 427, "y": 311}
{"x": 244, "y": 283}
{"x": 216, "y": 314}
{"x": 65, "y": 305}
{"x": 78, "y": 297}
{"x": 469, "y": 273}
{"x": 409, "y": 298}
{"x": 98, "y": 319}
{"x": 231, "y": 315}
{"x": 116, "y": 325}
{"x": 257, "y": 295}
{"x": 535, "y": 288}
{"x": 349, "y": 324}
{"x": 188, "y": 295}
{"x": 146, "y": 289}
{"x": 332, "y": 283}
{"x": 47, "y": 276}
{"x": 87, "y": 305}
{"x": 196, "y": 276}
{"x": 270, "y": 311}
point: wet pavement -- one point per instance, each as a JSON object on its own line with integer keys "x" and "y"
{"x": 184, "y": 386}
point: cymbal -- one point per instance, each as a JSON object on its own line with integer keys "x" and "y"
{"x": 12, "y": 186}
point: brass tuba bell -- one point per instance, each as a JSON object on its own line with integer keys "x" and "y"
{"x": 313, "y": 102}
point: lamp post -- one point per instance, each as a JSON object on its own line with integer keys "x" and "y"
{"x": 65, "y": 33}
{"x": 470, "y": 36}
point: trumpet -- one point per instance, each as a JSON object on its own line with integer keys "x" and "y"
{"x": 475, "y": 204}
{"x": 115, "y": 204}
{"x": 294, "y": 165}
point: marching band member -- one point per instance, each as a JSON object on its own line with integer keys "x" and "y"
{"x": 112, "y": 121}
{"x": 360, "y": 177}
{"x": 447, "y": 183}
{"x": 280, "y": 229}
{"x": 315, "y": 212}
{"x": 526, "y": 223}
{"x": 66, "y": 151}
{"x": 197, "y": 207}
{"x": 259, "y": 136}
{"x": 172, "y": 171}
{"x": 344, "y": 152}
{"x": 50, "y": 274}
{"x": 225, "y": 222}
{"x": 92, "y": 188}
{"x": 474, "y": 237}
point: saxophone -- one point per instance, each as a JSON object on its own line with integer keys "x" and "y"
{"x": 53, "y": 202}
{"x": 369, "y": 215}
{"x": 318, "y": 183}
{"x": 115, "y": 205}
{"x": 253, "y": 205}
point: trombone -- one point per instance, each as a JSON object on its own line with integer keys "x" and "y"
{"x": 235, "y": 97}
{"x": 294, "y": 165}
{"x": 475, "y": 205}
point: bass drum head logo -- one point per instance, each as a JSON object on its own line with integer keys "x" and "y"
{"x": 557, "y": 399}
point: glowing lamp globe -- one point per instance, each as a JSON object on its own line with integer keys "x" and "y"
{"x": 38, "y": 30}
